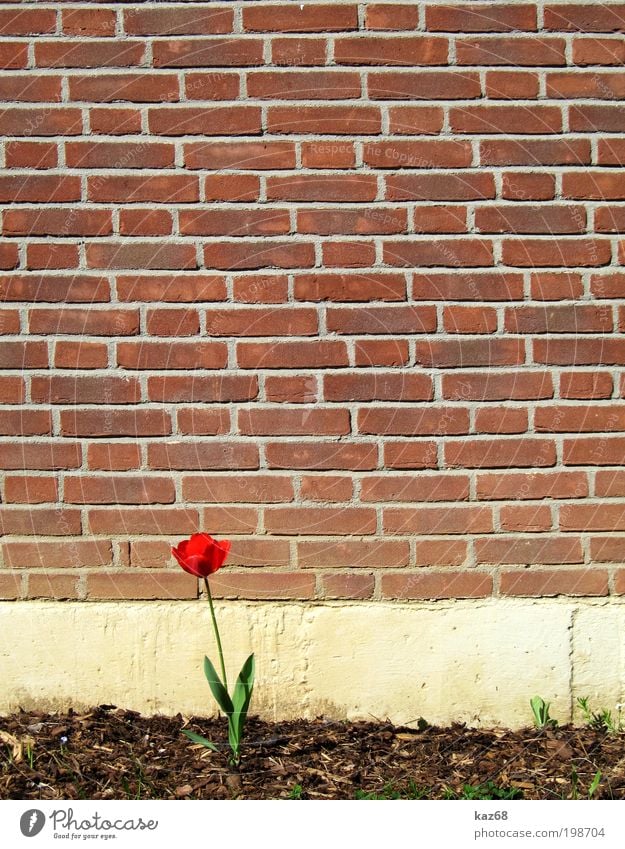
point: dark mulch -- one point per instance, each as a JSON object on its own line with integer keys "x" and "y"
{"x": 109, "y": 753}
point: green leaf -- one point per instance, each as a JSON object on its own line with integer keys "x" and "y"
{"x": 217, "y": 688}
{"x": 197, "y": 738}
{"x": 242, "y": 694}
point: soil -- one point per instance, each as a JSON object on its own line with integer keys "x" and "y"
{"x": 109, "y": 753}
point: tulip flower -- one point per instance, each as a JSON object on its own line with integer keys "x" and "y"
{"x": 201, "y": 555}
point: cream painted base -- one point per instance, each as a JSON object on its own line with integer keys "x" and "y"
{"x": 477, "y": 662}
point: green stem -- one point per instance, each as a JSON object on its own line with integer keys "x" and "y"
{"x": 217, "y": 637}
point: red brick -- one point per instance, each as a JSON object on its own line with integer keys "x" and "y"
{"x": 585, "y": 582}
{"x": 298, "y": 51}
{"x": 300, "y": 18}
{"x": 544, "y": 550}
{"x": 28, "y": 154}
{"x": 417, "y": 154}
{"x": 394, "y": 50}
{"x": 89, "y": 54}
{"x": 501, "y": 420}
{"x": 302, "y": 354}
{"x": 415, "y": 120}
{"x": 392, "y": 16}
{"x": 231, "y": 520}
{"x": 42, "y": 121}
{"x": 410, "y": 488}
{"x": 460, "y": 186}
{"x": 520, "y": 51}
{"x": 211, "y": 85}
{"x": 302, "y": 421}
{"x": 454, "y": 519}
{"x": 208, "y": 52}
{"x": 330, "y": 188}
{"x": 9, "y": 322}
{"x": 42, "y": 455}
{"x": 100, "y": 154}
{"x": 174, "y": 355}
{"x": 38, "y": 221}
{"x": 602, "y": 86}
{"x": 585, "y": 17}
{"x": 579, "y": 419}
{"x": 347, "y": 585}
{"x": 598, "y": 51}
{"x": 592, "y": 517}
{"x": 320, "y": 521}
{"x": 464, "y": 253}
{"x": 30, "y": 88}
{"x": 321, "y": 456}
{"x": 512, "y": 85}
{"x": 138, "y": 188}
{"x": 256, "y": 488}
{"x": 481, "y": 17}
{"x": 555, "y": 285}
{"x": 460, "y": 353}
{"x": 162, "y": 255}
{"x": 25, "y": 21}
{"x": 348, "y": 254}
{"x": 115, "y": 423}
{"x": 434, "y": 585}
{"x": 175, "y": 19}
{"x": 81, "y": 389}
{"x": 145, "y": 222}
{"x": 263, "y": 585}
{"x": 593, "y": 451}
{"x": 609, "y": 550}
{"x": 328, "y": 154}
{"x": 424, "y": 85}
{"x": 416, "y": 421}
{"x": 258, "y": 254}
{"x": 592, "y": 118}
{"x": 350, "y": 287}
{"x": 171, "y": 288}
{"x": 88, "y": 22}
{"x": 526, "y": 452}
{"x": 113, "y": 456}
{"x": 337, "y": 120}
{"x": 610, "y": 484}
{"x": 531, "y": 219}
{"x": 68, "y": 554}
{"x": 580, "y": 351}
{"x": 12, "y": 390}
{"x": 30, "y": 489}
{"x": 377, "y": 386}
{"x": 295, "y": 389}
{"x": 23, "y": 355}
{"x": 539, "y": 120}
{"x": 535, "y": 152}
{"x": 531, "y": 485}
{"x": 261, "y": 288}
{"x": 526, "y": 518}
{"x": 13, "y": 54}
{"x": 254, "y": 155}
{"x": 111, "y": 121}
{"x": 237, "y": 188}
{"x": 141, "y": 585}
{"x": 121, "y": 489}
{"x": 410, "y": 455}
{"x": 85, "y": 322}
{"x": 304, "y": 85}
{"x": 370, "y": 553}
{"x": 326, "y": 488}
{"x": 498, "y": 386}
{"x": 53, "y": 586}
{"x": 234, "y": 222}
{"x": 202, "y": 389}
{"x": 440, "y": 552}
{"x": 401, "y": 318}
{"x": 9, "y": 258}
{"x": 470, "y": 286}
{"x": 585, "y": 385}
{"x": 556, "y": 252}
{"x": 172, "y": 322}
{"x": 380, "y": 352}
{"x": 40, "y": 521}
{"x": 520, "y": 186}
{"x": 610, "y": 285}
{"x": 201, "y": 422}
{"x": 450, "y": 218}
{"x": 469, "y": 320}
{"x": 50, "y": 255}
{"x": 593, "y": 185}
{"x": 202, "y": 456}
{"x": 25, "y": 423}
{"x": 39, "y": 188}
{"x": 579, "y": 318}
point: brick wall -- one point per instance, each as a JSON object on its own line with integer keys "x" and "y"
{"x": 341, "y": 282}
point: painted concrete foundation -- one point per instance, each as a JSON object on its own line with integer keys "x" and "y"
{"x": 477, "y": 662}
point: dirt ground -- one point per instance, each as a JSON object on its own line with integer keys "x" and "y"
{"x": 110, "y": 753}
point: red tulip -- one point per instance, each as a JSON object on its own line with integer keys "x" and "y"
{"x": 201, "y": 555}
